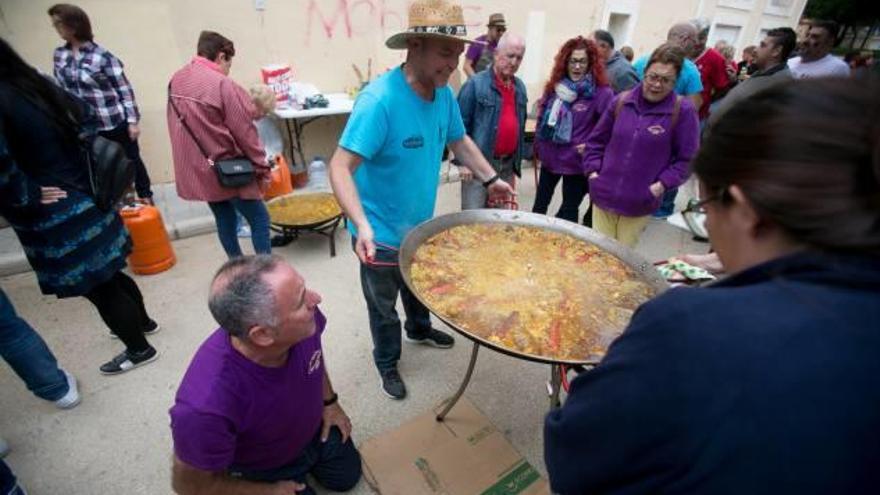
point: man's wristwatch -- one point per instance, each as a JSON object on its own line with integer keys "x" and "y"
{"x": 491, "y": 180}
{"x": 332, "y": 400}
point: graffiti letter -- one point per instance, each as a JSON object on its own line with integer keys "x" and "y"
{"x": 328, "y": 25}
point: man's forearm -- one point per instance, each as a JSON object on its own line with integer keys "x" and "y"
{"x": 186, "y": 480}
{"x": 471, "y": 157}
{"x": 224, "y": 485}
{"x": 468, "y": 68}
{"x": 328, "y": 387}
{"x": 343, "y": 187}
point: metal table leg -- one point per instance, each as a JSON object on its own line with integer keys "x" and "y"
{"x": 467, "y": 378}
{"x": 554, "y": 386}
{"x": 333, "y": 238}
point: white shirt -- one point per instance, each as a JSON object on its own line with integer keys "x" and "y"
{"x": 827, "y": 66}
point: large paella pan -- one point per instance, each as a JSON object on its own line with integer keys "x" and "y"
{"x": 528, "y": 285}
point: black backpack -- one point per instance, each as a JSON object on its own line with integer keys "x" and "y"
{"x": 110, "y": 171}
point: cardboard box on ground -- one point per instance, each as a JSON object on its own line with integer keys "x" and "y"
{"x": 463, "y": 455}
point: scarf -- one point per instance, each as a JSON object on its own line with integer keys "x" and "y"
{"x": 556, "y": 122}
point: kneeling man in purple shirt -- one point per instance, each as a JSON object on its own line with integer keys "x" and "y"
{"x": 256, "y": 412}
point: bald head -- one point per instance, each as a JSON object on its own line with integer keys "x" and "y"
{"x": 508, "y": 55}
{"x": 241, "y": 297}
{"x": 511, "y": 41}
{"x": 684, "y": 35}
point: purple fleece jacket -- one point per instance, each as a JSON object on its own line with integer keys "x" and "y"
{"x": 585, "y": 113}
{"x": 636, "y": 149}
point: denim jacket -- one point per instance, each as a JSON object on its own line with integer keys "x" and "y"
{"x": 480, "y": 103}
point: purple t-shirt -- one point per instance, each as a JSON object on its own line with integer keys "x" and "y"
{"x": 475, "y": 50}
{"x": 230, "y": 412}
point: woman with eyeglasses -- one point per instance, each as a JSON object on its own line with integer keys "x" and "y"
{"x": 769, "y": 380}
{"x": 641, "y": 148}
{"x": 574, "y": 98}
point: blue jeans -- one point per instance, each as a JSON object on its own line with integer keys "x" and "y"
{"x": 8, "y": 483}
{"x": 667, "y": 206}
{"x": 257, "y": 217}
{"x": 381, "y": 285}
{"x": 28, "y": 355}
{"x": 336, "y": 465}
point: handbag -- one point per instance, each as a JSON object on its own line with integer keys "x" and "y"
{"x": 231, "y": 172}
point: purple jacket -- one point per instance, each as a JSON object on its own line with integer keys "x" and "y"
{"x": 564, "y": 158}
{"x": 638, "y": 148}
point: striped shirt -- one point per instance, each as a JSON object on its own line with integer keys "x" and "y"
{"x": 95, "y": 75}
{"x": 220, "y": 114}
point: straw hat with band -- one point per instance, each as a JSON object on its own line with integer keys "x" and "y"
{"x": 432, "y": 19}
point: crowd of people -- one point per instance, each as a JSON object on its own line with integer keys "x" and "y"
{"x": 725, "y": 388}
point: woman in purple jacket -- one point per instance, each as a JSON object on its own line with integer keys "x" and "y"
{"x": 574, "y": 98}
{"x": 640, "y": 148}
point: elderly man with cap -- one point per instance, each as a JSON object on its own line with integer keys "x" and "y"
{"x": 620, "y": 72}
{"x": 386, "y": 170}
{"x": 480, "y": 55}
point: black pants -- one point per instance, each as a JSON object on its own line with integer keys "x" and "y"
{"x": 121, "y": 305}
{"x": 574, "y": 188}
{"x": 120, "y": 135}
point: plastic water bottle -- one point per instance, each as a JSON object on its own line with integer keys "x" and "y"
{"x": 318, "y": 180}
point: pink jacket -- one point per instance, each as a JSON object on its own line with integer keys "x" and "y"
{"x": 220, "y": 114}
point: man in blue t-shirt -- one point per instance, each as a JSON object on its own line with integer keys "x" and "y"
{"x": 684, "y": 35}
{"x": 386, "y": 170}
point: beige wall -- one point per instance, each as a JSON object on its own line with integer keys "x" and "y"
{"x": 320, "y": 39}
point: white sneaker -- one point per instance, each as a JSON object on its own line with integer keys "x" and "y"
{"x": 71, "y": 398}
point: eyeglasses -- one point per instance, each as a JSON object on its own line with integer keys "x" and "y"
{"x": 654, "y": 78}
{"x": 579, "y": 61}
{"x": 500, "y": 29}
{"x": 699, "y": 206}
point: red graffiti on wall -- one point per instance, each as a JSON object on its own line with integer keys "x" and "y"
{"x": 353, "y": 18}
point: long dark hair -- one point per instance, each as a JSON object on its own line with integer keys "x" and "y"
{"x": 807, "y": 156}
{"x": 73, "y": 18}
{"x": 39, "y": 90}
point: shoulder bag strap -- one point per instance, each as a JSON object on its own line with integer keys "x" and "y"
{"x": 186, "y": 127}
{"x": 676, "y": 110}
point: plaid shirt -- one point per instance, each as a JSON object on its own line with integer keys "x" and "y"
{"x": 95, "y": 75}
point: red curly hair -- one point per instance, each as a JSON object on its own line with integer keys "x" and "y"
{"x": 560, "y": 64}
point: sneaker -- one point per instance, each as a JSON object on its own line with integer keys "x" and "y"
{"x": 126, "y": 361}
{"x": 152, "y": 329}
{"x": 71, "y": 398}
{"x": 392, "y": 384}
{"x": 435, "y": 338}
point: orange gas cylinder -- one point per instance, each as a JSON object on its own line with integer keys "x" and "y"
{"x": 152, "y": 251}
{"x": 280, "y": 184}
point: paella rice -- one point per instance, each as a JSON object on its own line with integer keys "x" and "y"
{"x": 529, "y": 290}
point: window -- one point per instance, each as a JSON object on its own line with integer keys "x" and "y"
{"x": 779, "y": 7}
{"x": 726, "y": 32}
{"x": 737, "y": 4}
{"x": 618, "y": 26}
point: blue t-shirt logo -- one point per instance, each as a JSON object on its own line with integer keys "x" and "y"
{"x": 414, "y": 142}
